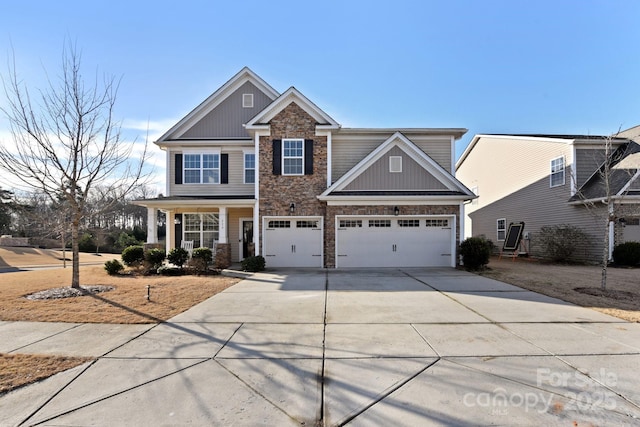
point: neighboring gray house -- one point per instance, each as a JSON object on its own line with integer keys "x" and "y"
{"x": 255, "y": 171}
{"x": 547, "y": 180}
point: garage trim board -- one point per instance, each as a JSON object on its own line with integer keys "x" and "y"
{"x": 395, "y": 241}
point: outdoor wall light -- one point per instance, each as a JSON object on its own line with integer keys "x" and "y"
{"x": 622, "y": 221}
{"x": 177, "y": 221}
{"x": 292, "y": 207}
{"x": 396, "y": 211}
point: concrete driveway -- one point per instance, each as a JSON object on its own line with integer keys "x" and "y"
{"x": 410, "y": 347}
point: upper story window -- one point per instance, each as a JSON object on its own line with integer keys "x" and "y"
{"x": 201, "y": 168}
{"x": 557, "y": 172}
{"x": 293, "y": 156}
{"x": 249, "y": 168}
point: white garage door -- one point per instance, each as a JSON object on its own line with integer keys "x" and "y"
{"x": 394, "y": 242}
{"x": 293, "y": 242}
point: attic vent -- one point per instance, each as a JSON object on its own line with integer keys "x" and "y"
{"x": 247, "y": 100}
{"x": 395, "y": 164}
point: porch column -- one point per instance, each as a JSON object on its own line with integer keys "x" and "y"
{"x": 222, "y": 225}
{"x": 256, "y": 228}
{"x": 152, "y": 225}
{"x": 170, "y": 230}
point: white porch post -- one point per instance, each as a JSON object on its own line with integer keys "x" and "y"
{"x": 222, "y": 225}
{"x": 152, "y": 225}
{"x": 170, "y": 230}
{"x": 256, "y": 228}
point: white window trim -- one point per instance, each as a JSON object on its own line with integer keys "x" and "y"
{"x": 397, "y": 162}
{"x": 201, "y": 153}
{"x": 290, "y": 157}
{"x": 551, "y": 172}
{"x": 247, "y": 100}
{"x": 244, "y": 166}
{"x": 201, "y": 231}
{"x": 503, "y": 229}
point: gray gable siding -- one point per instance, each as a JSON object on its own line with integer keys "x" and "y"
{"x": 347, "y": 152}
{"x": 587, "y": 162}
{"x": 226, "y": 120}
{"x": 412, "y": 177}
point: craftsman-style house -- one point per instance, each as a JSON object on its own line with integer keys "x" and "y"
{"x": 254, "y": 171}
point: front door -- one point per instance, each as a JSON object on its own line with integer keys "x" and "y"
{"x": 247, "y": 239}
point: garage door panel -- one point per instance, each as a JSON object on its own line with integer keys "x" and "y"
{"x": 406, "y": 242}
{"x": 293, "y": 242}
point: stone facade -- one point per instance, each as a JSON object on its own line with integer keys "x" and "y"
{"x": 332, "y": 211}
{"x": 222, "y": 257}
{"x": 278, "y": 192}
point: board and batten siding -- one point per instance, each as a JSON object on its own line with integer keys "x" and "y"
{"x": 587, "y": 162}
{"x": 412, "y": 177}
{"x": 235, "y": 187}
{"x": 347, "y": 151}
{"x": 226, "y": 120}
{"x": 234, "y": 230}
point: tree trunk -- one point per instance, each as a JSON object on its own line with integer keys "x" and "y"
{"x": 605, "y": 257}
{"x": 75, "y": 274}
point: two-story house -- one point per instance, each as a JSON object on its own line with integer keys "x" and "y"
{"x": 547, "y": 180}
{"x": 254, "y": 171}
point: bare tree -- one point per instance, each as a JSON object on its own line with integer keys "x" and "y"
{"x": 606, "y": 191}
{"x": 68, "y": 142}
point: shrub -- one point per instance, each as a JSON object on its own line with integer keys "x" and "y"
{"x": 178, "y": 256}
{"x": 167, "y": 270}
{"x": 133, "y": 256}
{"x": 86, "y": 243}
{"x": 627, "y": 254}
{"x": 253, "y": 263}
{"x": 113, "y": 267}
{"x": 200, "y": 259}
{"x": 559, "y": 241}
{"x": 475, "y": 252}
{"x": 154, "y": 258}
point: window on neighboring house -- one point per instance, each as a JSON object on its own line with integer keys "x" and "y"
{"x": 557, "y": 172}
{"x": 501, "y": 229}
{"x": 249, "y": 168}
{"x": 201, "y": 168}
{"x": 202, "y": 228}
{"x": 293, "y": 156}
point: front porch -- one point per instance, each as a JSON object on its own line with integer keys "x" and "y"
{"x": 225, "y": 226}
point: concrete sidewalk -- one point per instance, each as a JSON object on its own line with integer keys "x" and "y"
{"x": 386, "y": 347}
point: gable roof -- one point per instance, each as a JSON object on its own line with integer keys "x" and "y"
{"x": 291, "y": 95}
{"x": 243, "y": 76}
{"x": 624, "y": 169}
{"x": 452, "y": 187}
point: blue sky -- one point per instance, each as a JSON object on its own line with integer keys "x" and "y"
{"x": 562, "y": 66}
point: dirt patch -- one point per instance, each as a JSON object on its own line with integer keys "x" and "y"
{"x": 68, "y": 292}
{"x": 577, "y": 284}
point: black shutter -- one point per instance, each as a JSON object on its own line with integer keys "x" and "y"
{"x": 178, "y": 230}
{"x": 224, "y": 169}
{"x": 277, "y": 157}
{"x": 178, "y": 169}
{"x": 308, "y": 156}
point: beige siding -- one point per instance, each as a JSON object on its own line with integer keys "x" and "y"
{"x": 500, "y": 166}
{"x": 234, "y": 230}
{"x": 348, "y": 150}
{"x": 412, "y": 177}
{"x": 226, "y": 120}
{"x": 538, "y": 206}
{"x": 235, "y": 187}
